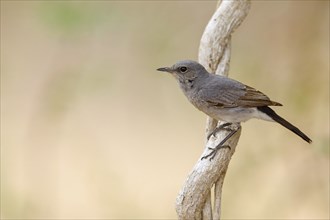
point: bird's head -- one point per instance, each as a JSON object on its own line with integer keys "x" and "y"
{"x": 185, "y": 70}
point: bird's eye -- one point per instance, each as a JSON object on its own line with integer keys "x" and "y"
{"x": 183, "y": 69}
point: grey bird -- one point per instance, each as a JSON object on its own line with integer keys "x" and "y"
{"x": 225, "y": 99}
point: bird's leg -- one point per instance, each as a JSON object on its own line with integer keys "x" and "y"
{"x": 219, "y": 146}
{"x": 218, "y": 129}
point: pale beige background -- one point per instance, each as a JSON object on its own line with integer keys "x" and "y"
{"x": 90, "y": 130}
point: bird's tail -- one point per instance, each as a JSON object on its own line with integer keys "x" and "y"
{"x": 271, "y": 113}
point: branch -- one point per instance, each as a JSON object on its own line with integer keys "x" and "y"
{"x": 194, "y": 199}
{"x": 216, "y": 36}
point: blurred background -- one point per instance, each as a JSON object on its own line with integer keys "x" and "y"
{"x": 90, "y": 129}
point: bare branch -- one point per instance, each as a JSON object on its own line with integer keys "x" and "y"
{"x": 216, "y": 37}
{"x": 194, "y": 200}
{"x": 207, "y": 210}
{"x": 193, "y": 195}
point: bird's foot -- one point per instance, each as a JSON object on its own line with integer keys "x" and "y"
{"x": 221, "y": 127}
{"x": 214, "y": 151}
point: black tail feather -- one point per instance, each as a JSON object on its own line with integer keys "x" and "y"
{"x": 271, "y": 113}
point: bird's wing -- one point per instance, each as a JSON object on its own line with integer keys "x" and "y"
{"x": 227, "y": 93}
{"x": 255, "y": 98}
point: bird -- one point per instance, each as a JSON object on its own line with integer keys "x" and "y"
{"x": 225, "y": 99}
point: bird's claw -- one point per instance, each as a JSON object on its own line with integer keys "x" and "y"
{"x": 214, "y": 151}
{"x": 221, "y": 127}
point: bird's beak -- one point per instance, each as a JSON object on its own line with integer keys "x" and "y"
{"x": 165, "y": 69}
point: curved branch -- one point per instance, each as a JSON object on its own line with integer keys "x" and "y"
{"x": 216, "y": 36}
{"x": 193, "y": 195}
{"x": 214, "y": 54}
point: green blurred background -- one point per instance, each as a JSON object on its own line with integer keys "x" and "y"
{"x": 89, "y": 128}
